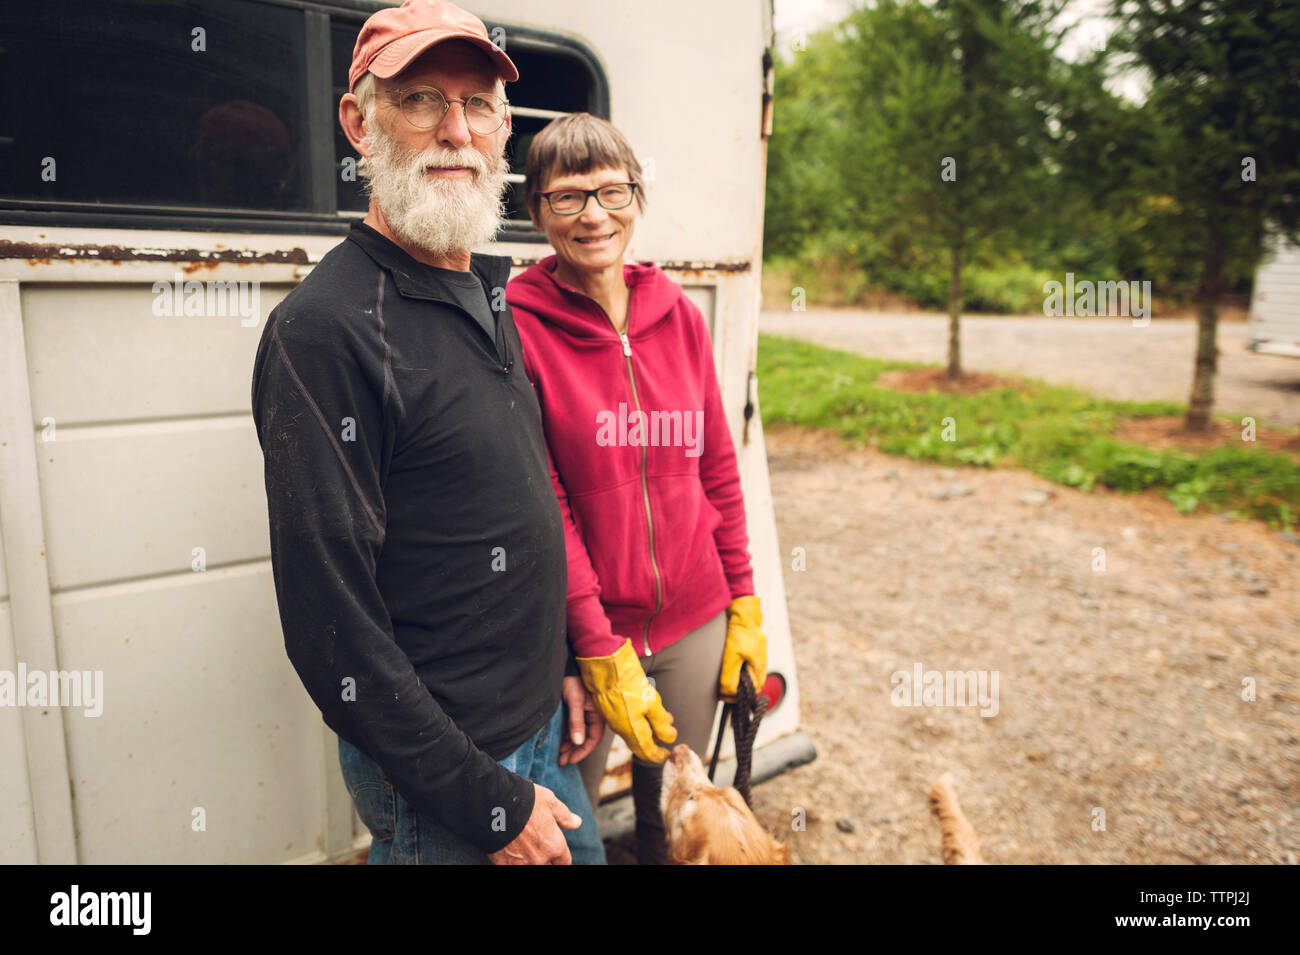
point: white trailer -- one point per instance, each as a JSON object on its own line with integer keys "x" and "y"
{"x": 196, "y": 141}
{"x": 1274, "y": 326}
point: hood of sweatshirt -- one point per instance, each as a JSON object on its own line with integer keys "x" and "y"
{"x": 652, "y": 296}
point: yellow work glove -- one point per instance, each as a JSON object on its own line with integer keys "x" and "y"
{"x": 745, "y": 644}
{"x": 630, "y": 705}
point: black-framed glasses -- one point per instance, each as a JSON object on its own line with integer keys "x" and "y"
{"x": 424, "y": 107}
{"x": 569, "y": 202}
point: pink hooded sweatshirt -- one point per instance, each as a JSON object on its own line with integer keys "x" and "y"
{"x": 641, "y": 459}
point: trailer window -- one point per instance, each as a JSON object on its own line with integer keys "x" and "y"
{"x": 199, "y": 114}
{"x": 549, "y": 86}
{"x": 153, "y": 103}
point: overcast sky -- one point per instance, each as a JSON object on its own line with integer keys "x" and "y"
{"x": 811, "y": 15}
{"x": 1087, "y": 15}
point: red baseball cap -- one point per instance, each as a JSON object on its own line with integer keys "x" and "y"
{"x": 392, "y": 39}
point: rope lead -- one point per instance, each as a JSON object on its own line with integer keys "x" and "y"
{"x": 746, "y": 713}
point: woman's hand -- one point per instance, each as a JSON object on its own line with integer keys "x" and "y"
{"x": 746, "y": 644}
{"x": 586, "y": 725}
{"x": 629, "y": 703}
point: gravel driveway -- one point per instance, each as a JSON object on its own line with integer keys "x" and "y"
{"x": 1108, "y": 356}
{"x": 1124, "y": 733}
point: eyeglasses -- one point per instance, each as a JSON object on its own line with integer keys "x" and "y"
{"x": 424, "y": 107}
{"x": 569, "y": 202}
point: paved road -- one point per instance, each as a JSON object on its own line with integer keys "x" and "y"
{"x": 1107, "y": 356}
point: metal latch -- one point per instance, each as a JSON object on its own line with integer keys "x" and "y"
{"x": 751, "y": 402}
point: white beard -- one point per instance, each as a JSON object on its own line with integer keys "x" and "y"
{"x": 438, "y": 216}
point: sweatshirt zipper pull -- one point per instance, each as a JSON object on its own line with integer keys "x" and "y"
{"x": 627, "y": 346}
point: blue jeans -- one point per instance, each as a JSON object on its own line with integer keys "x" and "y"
{"x": 402, "y": 835}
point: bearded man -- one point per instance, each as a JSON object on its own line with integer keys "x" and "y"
{"x": 416, "y": 543}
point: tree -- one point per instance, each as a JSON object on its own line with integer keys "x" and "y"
{"x": 1220, "y": 144}
{"x": 954, "y": 103}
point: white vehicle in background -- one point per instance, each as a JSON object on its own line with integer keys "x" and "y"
{"x": 1274, "y": 326}
{"x": 163, "y": 189}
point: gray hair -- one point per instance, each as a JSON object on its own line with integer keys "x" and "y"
{"x": 577, "y": 143}
{"x": 365, "y": 94}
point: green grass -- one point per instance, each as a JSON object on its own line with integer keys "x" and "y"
{"x": 1060, "y": 433}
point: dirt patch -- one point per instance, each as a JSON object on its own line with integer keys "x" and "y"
{"x": 1172, "y": 433}
{"x": 1237, "y": 314}
{"x": 921, "y": 380}
{"x": 1149, "y": 667}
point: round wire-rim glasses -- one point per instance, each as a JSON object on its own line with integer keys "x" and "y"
{"x": 425, "y": 106}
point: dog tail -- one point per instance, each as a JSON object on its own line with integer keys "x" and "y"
{"x": 961, "y": 846}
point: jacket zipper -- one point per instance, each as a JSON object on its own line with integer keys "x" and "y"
{"x": 645, "y": 487}
{"x": 645, "y": 494}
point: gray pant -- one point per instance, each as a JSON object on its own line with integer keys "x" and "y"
{"x": 686, "y": 675}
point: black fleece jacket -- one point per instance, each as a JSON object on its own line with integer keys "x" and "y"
{"x": 416, "y": 543}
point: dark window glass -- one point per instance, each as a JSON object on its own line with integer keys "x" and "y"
{"x": 343, "y": 39}
{"x": 548, "y": 81}
{"x": 525, "y": 128}
{"x": 134, "y": 107}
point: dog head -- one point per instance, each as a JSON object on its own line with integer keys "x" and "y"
{"x": 707, "y": 825}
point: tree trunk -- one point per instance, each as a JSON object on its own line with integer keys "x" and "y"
{"x": 954, "y": 315}
{"x": 1208, "y": 292}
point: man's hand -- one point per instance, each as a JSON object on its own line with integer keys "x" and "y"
{"x": 541, "y": 842}
{"x": 586, "y": 725}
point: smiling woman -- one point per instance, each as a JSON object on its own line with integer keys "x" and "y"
{"x": 659, "y": 575}
{"x": 579, "y": 181}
